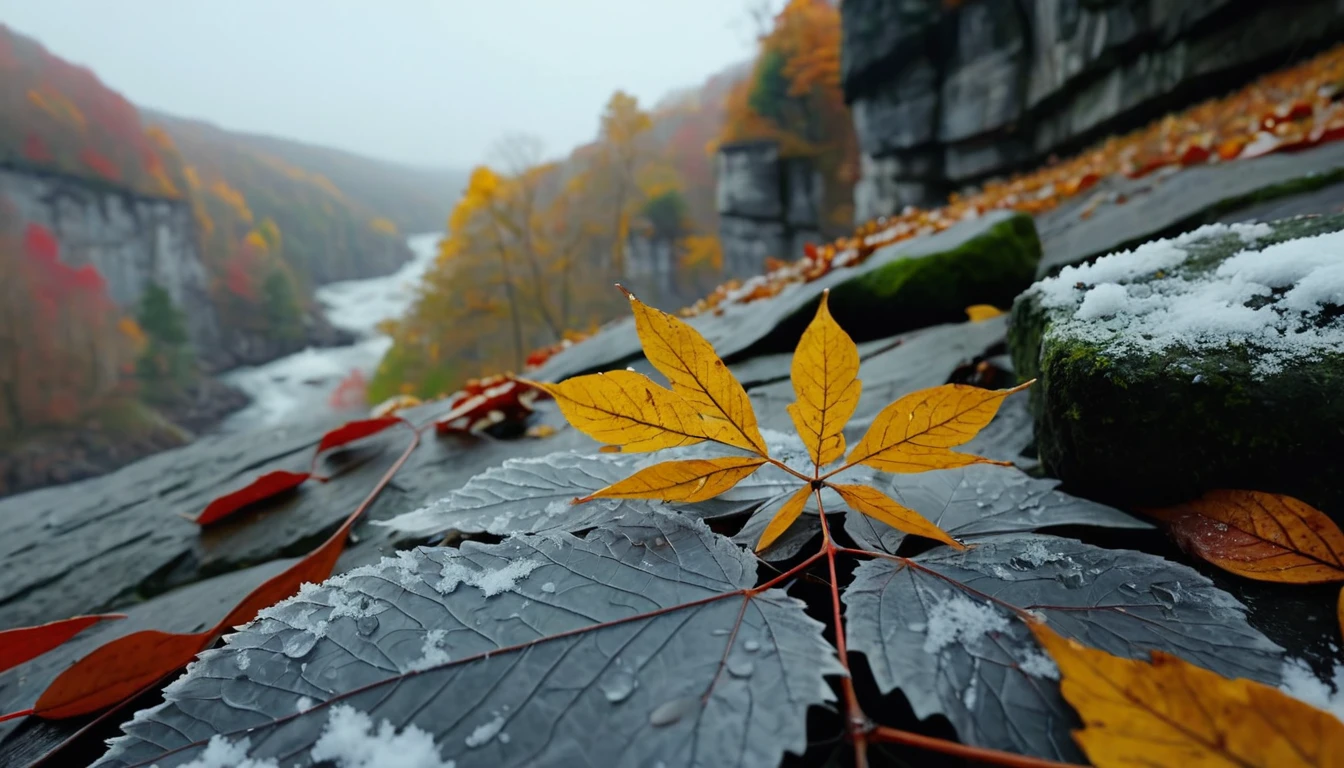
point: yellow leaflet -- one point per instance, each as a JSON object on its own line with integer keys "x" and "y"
{"x": 882, "y": 508}
{"x": 689, "y": 480}
{"x": 1171, "y": 712}
{"x": 784, "y": 518}
{"x": 914, "y": 433}
{"x": 977, "y": 313}
{"x": 696, "y": 373}
{"x": 627, "y": 409}
{"x": 825, "y": 379}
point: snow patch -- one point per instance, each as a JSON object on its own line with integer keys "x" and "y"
{"x": 485, "y": 732}
{"x": 548, "y": 587}
{"x": 490, "y": 583}
{"x": 960, "y": 619}
{"x": 1036, "y": 555}
{"x": 1036, "y": 664}
{"x": 432, "y": 653}
{"x": 221, "y": 753}
{"x": 1268, "y": 300}
{"x": 350, "y": 741}
{"x": 1302, "y": 684}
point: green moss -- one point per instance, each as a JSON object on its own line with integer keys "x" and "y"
{"x": 1157, "y": 428}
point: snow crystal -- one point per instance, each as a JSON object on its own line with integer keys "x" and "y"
{"x": 485, "y": 732}
{"x": 349, "y": 741}
{"x": 1035, "y": 554}
{"x": 960, "y": 619}
{"x": 303, "y": 704}
{"x": 1302, "y": 684}
{"x": 490, "y": 583}
{"x": 1037, "y": 664}
{"x": 1104, "y": 300}
{"x": 243, "y": 660}
{"x": 220, "y": 753}
{"x": 432, "y": 653}
{"x": 354, "y": 605}
{"x": 548, "y": 587}
{"x": 1265, "y": 299}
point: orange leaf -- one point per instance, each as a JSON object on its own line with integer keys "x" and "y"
{"x": 825, "y": 375}
{"x": 784, "y": 518}
{"x": 118, "y": 670}
{"x": 697, "y": 374}
{"x": 1341, "y": 611}
{"x": 25, "y": 643}
{"x": 355, "y": 430}
{"x": 1171, "y": 712}
{"x": 978, "y": 313}
{"x": 1262, "y": 536}
{"x": 689, "y": 480}
{"x": 883, "y": 508}
{"x": 267, "y": 486}
{"x": 914, "y": 433}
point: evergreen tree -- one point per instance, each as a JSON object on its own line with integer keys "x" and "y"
{"x": 284, "y": 319}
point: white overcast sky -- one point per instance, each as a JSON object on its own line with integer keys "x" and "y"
{"x": 427, "y": 82}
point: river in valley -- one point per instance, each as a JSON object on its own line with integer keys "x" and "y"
{"x": 299, "y": 387}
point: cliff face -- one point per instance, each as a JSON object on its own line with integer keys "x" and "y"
{"x": 944, "y": 97}
{"x": 768, "y": 206}
{"x": 131, "y": 239}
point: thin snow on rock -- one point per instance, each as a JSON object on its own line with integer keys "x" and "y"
{"x": 1269, "y": 300}
{"x": 350, "y": 741}
{"x": 960, "y": 619}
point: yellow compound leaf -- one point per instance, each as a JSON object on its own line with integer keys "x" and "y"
{"x": 696, "y": 373}
{"x": 883, "y": 508}
{"x": 1258, "y": 535}
{"x": 784, "y": 518}
{"x": 627, "y": 409}
{"x": 825, "y": 379}
{"x": 914, "y": 433}
{"x": 1170, "y": 712}
{"x": 689, "y": 480}
{"x": 978, "y": 313}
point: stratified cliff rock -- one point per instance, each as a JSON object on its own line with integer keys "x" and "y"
{"x": 948, "y": 94}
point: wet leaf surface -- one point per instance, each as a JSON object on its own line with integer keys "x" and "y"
{"x": 504, "y": 654}
{"x": 957, "y": 653}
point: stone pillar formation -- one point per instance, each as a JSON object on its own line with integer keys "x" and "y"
{"x": 768, "y": 206}
{"x": 946, "y": 95}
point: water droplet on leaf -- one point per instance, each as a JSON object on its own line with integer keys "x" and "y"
{"x": 366, "y": 625}
{"x": 673, "y": 711}
{"x": 299, "y": 644}
{"x": 751, "y": 646}
{"x": 618, "y": 686}
{"x": 741, "y": 667}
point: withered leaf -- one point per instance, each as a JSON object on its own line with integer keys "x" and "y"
{"x": 1170, "y": 712}
{"x": 1263, "y": 536}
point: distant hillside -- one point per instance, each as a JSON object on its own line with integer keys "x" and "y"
{"x": 416, "y": 199}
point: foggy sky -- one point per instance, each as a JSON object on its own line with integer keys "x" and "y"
{"x": 426, "y": 82}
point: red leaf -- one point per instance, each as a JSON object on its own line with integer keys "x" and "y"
{"x": 117, "y": 670}
{"x": 264, "y": 487}
{"x": 23, "y": 644}
{"x": 355, "y": 430}
{"x": 486, "y": 403}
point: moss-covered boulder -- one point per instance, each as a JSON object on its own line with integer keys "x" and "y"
{"x": 924, "y": 282}
{"x": 1213, "y": 360}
